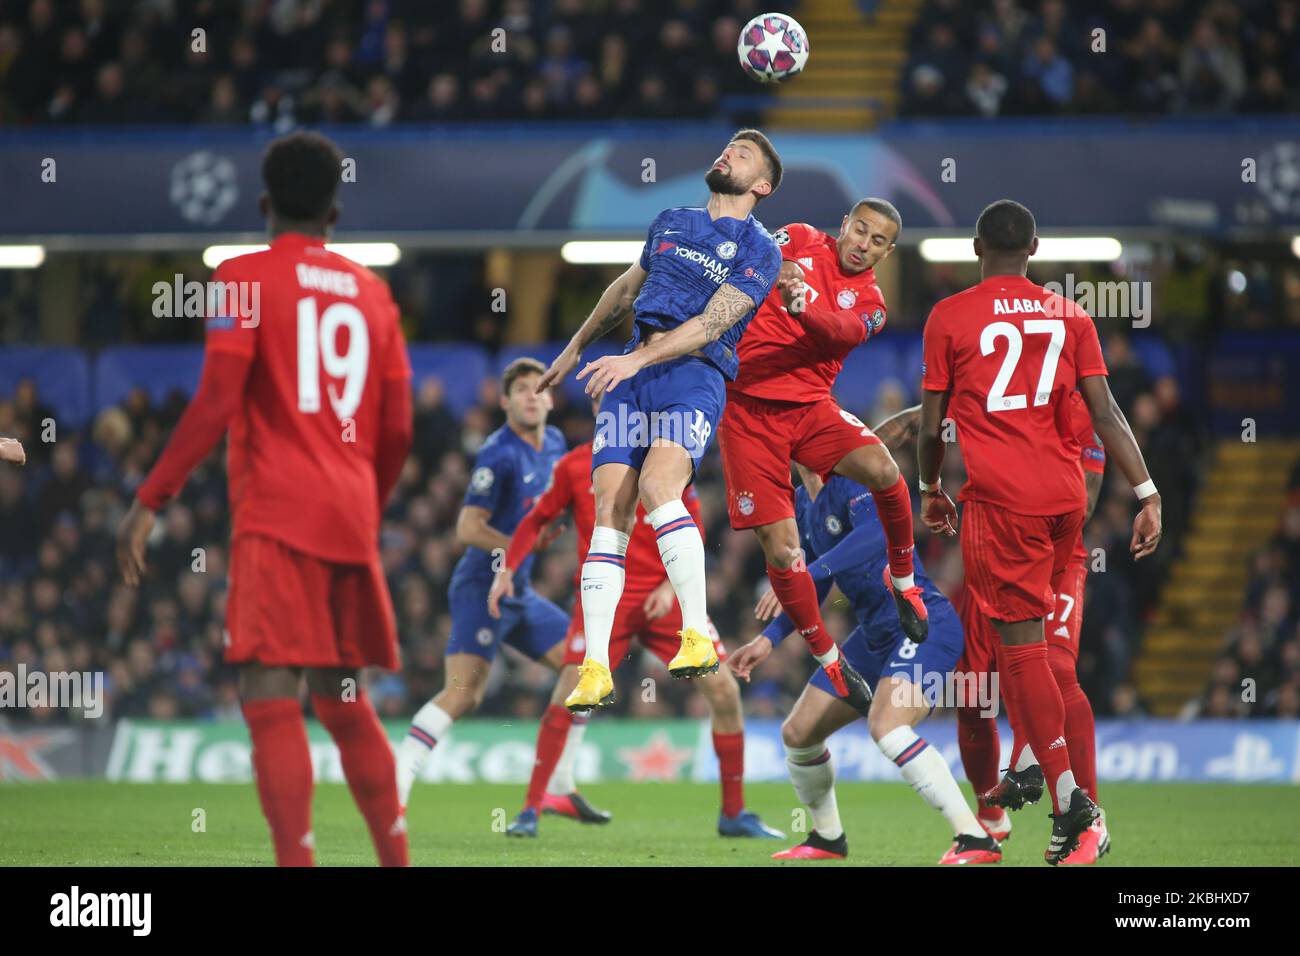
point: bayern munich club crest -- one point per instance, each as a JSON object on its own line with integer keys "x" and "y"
{"x": 745, "y": 503}
{"x": 846, "y": 298}
{"x": 726, "y": 250}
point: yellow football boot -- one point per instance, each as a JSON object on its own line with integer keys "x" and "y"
{"x": 696, "y": 657}
{"x": 595, "y": 687}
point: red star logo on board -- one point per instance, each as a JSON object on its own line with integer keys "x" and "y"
{"x": 20, "y": 757}
{"x": 658, "y": 759}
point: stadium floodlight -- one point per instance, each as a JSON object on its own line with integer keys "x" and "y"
{"x": 1050, "y": 249}
{"x": 585, "y": 253}
{"x": 1295, "y": 246}
{"x": 372, "y": 254}
{"x": 21, "y": 257}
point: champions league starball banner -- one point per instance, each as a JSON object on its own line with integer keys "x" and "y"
{"x": 493, "y": 751}
{"x": 486, "y": 183}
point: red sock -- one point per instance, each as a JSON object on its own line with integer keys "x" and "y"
{"x": 551, "y": 737}
{"x": 894, "y": 507}
{"x": 798, "y": 596}
{"x": 1038, "y": 707}
{"x": 282, "y": 770}
{"x": 1080, "y": 729}
{"x": 1018, "y": 741}
{"x": 977, "y": 738}
{"x": 730, "y": 749}
{"x": 370, "y": 769}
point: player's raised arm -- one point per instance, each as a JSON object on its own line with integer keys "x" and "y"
{"x": 614, "y": 305}
{"x": 1112, "y": 427}
{"x": 725, "y": 308}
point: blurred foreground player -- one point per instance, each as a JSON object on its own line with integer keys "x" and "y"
{"x": 1002, "y": 358}
{"x": 978, "y": 735}
{"x": 314, "y": 387}
{"x": 513, "y": 468}
{"x": 11, "y": 449}
{"x": 701, "y": 275}
{"x": 649, "y": 613}
{"x": 780, "y": 409}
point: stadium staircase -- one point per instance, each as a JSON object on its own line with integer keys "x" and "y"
{"x": 857, "y": 55}
{"x": 1236, "y": 513}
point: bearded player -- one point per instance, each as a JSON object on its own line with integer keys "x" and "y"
{"x": 779, "y": 408}
{"x": 512, "y": 469}
{"x": 315, "y": 390}
{"x": 978, "y": 735}
{"x": 701, "y": 275}
{"x": 648, "y": 612}
{"x": 1002, "y": 359}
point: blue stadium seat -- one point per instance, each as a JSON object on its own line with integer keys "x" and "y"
{"x": 1154, "y": 355}
{"x": 461, "y": 367}
{"x": 61, "y": 375}
{"x": 865, "y": 370}
{"x": 158, "y": 369}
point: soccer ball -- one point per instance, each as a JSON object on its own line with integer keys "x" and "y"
{"x": 773, "y": 47}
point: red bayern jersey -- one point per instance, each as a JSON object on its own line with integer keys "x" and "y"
{"x": 1092, "y": 456}
{"x": 1010, "y": 353}
{"x": 303, "y": 440}
{"x": 778, "y": 359}
{"x": 571, "y": 489}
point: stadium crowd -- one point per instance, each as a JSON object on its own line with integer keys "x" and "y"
{"x": 1264, "y": 646}
{"x": 1041, "y": 58}
{"x": 279, "y": 63}
{"x": 62, "y": 606}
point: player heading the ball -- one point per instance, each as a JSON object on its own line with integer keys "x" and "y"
{"x": 701, "y": 275}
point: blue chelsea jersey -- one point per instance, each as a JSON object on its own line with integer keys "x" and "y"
{"x": 846, "y": 510}
{"x": 687, "y": 257}
{"x": 509, "y": 475}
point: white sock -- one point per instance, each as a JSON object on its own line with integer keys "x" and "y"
{"x": 1027, "y": 759}
{"x": 814, "y": 784}
{"x": 830, "y": 657}
{"x": 925, "y": 769}
{"x": 681, "y": 548}
{"x": 602, "y": 586}
{"x": 903, "y": 584}
{"x": 1064, "y": 787}
{"x": 562, "y": 782}
{"x": 428, "y": 727}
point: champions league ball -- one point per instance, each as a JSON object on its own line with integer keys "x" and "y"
{"x": 773, "y": 47}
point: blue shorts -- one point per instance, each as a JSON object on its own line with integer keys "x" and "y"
{"x": 681, "y": 401}
{"x": 927, "y": 665}
{"x": 529, "y": 623}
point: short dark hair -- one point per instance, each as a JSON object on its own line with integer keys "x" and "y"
{"x": 1006, "y": 226}
{"x": 520, "y": 367}
{"x": 882, "y": 206}
{"x": 301, "y": 172}
{"x": 770, "y": 155}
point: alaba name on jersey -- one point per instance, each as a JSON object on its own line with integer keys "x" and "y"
{"x": 777, "y": 359}
{"x": 509, "y": 475}
{"x": 302, "y": 444}
{"x": 1011, "y": 353}
{"x": 687, "y": 257}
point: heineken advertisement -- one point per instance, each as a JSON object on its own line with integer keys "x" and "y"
{"x": 501, "y": 751}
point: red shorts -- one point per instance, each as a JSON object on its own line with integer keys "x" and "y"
{"x": 759, "y": 438}
{"x": 289, "y": 609}
{"x": 1066, "y": 620}
{"x": 1013, "y": 560}
{"x": 659, "y": 636}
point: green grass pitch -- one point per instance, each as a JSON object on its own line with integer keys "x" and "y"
{"x": 98, "y": 823}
